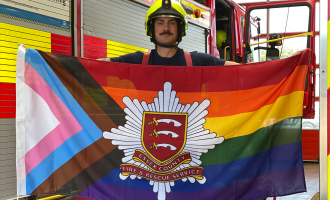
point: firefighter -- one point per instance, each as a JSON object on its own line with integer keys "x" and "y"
{"x": 166, "y": 24}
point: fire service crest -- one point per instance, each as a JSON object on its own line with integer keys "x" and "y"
{"x": 163, "y": 140}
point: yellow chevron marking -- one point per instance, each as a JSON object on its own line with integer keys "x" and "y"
{"x": 10, "y": 35}
{"x": 115, "y": 49}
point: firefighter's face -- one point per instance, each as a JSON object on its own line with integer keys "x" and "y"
{"x": 166, "y": 30}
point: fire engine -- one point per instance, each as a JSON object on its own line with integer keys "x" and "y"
{"x": 109, "y": 28}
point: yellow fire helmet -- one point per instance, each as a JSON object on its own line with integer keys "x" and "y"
{"x": 221, "y": 37}
{"x": 166, "y": 8}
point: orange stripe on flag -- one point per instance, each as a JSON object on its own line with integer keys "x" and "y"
{"x": 224, "y": 103}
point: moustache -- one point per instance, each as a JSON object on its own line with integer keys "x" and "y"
{"x": 166, "y": 33}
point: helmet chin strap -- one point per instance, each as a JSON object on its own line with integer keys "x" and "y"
{"x": 163, "y": 45}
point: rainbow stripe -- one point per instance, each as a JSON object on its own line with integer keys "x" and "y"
{"x": 257, "y": 108}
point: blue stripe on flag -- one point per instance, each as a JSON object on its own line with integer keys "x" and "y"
{"x": 58, "y": 157}
{"x": 279, "y": 158}
{"x": 70, "y": 147}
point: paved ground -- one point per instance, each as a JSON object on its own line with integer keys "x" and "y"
{"x": 312, "y": 184}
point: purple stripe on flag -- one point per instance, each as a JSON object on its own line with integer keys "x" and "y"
{"x": 68, "y": 124}
{"x": 266, "y": 185}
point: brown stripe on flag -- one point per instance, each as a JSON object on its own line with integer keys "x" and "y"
{"x": 102, "y": 118}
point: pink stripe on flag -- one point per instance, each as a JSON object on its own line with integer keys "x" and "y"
{"x": 68, "y": 126}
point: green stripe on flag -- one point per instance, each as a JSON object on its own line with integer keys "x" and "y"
{"x": 284, "y": 132}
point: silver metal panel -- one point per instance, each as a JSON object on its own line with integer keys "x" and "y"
{"x": 8, "y": 174}
{"x": 4, "y": 145}
{"x": 123, "y": 21}
{"x": 323, "y": 98}
{"x": 194, "y": 40}
{"x": 120, "y": 20}
{"x": 7, "y": 159}
{"x": 34, "y": 26}
{"x": 6, "y": 133}
{"x": 82, "y": 28}
{"x": 9, "y": 138}
{"x": 74, "y": 29}
{"x": 11, "y": 194}
{"x": 7, "y": 186}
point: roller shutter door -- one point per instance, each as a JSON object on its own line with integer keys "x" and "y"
{"x": 194, "y": 40}
{"x": 19, "y": 23}
{"x": 118, "y": 29}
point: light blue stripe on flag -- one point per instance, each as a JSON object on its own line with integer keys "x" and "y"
{"x": 70, "y": 147}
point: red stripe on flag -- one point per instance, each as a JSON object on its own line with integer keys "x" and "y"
{"x": 195, "y": 79}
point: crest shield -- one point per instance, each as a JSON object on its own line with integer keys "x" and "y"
{"x": 164, "y": 134}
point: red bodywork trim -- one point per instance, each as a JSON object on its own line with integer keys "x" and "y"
{"x": 212, "y": 35}
{"x": 233, "y": 40}
{"x": 8, "y": 109}
{"x": 61, "y": 44}
{"x": 7, "y": 91}
{"x": 7, "y": 97}
{"x": 7, "y": 115}
{"x": 310, "y": 144}
{"x": 79, "y": 28}
{"x": 95, "y": 47}
{"x": 7, "y": 85}
{"x": 7, "y": 103}
{"x": 238, "y": 37}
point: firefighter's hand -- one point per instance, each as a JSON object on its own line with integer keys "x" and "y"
{"x": 298, "y": 52}
{"x": 231, "y": 63}
{"x": 104, "y": 59}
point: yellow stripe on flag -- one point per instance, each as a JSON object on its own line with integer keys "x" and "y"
{"x": 247, "y": 123}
